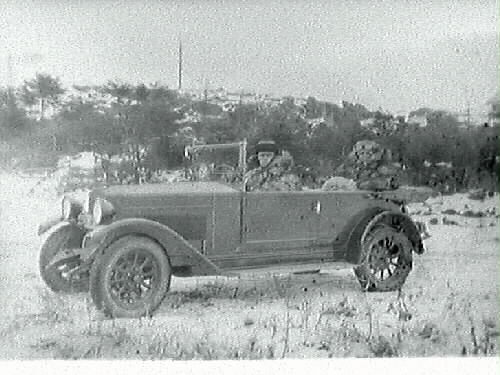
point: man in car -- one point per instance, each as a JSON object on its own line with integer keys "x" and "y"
{"x": 274, "y": 171}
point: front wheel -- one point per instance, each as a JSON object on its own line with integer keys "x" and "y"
{"x": 386, "y": 259}
{"x": 131, "y": 278}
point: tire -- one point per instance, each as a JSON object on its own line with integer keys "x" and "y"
{"x": 131, "y": 278}
{"x": 386, "y": 259}
{"x": 68, "y": 236}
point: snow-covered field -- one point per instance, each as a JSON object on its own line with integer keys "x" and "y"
{"x": 448, "y": 306}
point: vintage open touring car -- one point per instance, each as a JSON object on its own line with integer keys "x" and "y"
{"x": 124, "y": 243}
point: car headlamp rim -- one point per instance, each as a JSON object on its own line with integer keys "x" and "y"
{"x": 102, "y": 210}
{"x": 70, "y": 208}
{"x": 97, "y": 211}
{"x": 65, "y": 208}
{"x": 86, "y": 203}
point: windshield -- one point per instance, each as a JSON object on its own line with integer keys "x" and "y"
{"x": 225, "y": 163}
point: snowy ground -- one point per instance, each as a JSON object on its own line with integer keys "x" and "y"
{"x": 449, "y": 305}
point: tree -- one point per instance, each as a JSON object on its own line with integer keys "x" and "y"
{"x": 218, "y": 131}
{"x": 13, "y": 120}
{"x": 43, "y": 89}
{"x": 287, "y": 128}
{"x": 80, "y": 126}
{"x": 313, "y": 108}
{"x": 123, "y": 92}
{"x": 141, "y": 93}
{"x": 206, "y": 109}
{"x": 246, "y": 119}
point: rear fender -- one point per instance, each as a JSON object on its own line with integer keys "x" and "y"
{"x": 351, "y": 237}
{"x": 368, "y": 222}
{"x": 179, "y": 251}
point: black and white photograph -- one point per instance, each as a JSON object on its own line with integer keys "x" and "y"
{"x": 250, "y": 182}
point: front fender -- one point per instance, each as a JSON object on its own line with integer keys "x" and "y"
{"x": 48, "y": 224}
{"x": 62, "y": 242}
{"x": 180, "y": 252}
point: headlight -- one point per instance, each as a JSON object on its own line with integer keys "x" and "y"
{"x": 86, "y": 203}
{"x": 102, "y": 211}
{"x": 70, "y": 208}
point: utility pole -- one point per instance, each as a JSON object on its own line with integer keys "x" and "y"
{"x": 9, "y": 71}
{"x": 180, "y": 65}
{"x": 205, "y": 90}
{"x": 205, "y": 98}
{"x": 468, "y": 114}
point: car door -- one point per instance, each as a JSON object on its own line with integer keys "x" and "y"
{"x": 280, "y": 222}
{"x": 338, "y": 209}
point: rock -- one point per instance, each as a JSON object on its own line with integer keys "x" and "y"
{"x": 387, "y": 170}
{"x": 434, "y": 221}
{"x": 479, "y": 194}
{"x": 491, "y": 211}
{"x": 489, "y": 323}
{"x": 430, "y": 331}
{"x": 470, "y": 213}
{"x": 339, "y": 183}
{"x": 446, "y": 221}
{"x": 450, "y": 211}
{"x": 369, "y": 164}
{"x": 378, "y": 183}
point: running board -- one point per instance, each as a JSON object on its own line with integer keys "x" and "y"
{"x": 289, "y": 269}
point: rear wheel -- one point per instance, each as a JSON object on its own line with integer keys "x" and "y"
{"x": 386, "y": 259}
{"x": 58, "y": 276}
{"x": 131, "y": 278}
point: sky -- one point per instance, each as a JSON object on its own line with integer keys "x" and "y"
{"x": 395, "y": 55}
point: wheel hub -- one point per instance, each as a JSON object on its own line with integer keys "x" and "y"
{"x": 387, "y": 257}
{"x": 379, "y": 257}
{"x": 133, "y": 277}
{"x": 385, "y": 251}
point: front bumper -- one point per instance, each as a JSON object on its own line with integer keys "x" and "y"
{"x": 91, "y": 242}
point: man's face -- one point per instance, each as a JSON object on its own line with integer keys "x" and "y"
{"x": 265, "y": 158}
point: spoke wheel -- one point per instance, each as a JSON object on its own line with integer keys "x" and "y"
{"x": 387, "y": 259}
{"x": 131, "y": 278}
{"x": 57, "y": 276}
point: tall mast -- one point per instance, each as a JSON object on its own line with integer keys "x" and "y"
{"x": 9, "y": 71}
{"x": 180, "y": 64}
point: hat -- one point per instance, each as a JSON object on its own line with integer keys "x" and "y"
{"x": 266, "y": 146}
